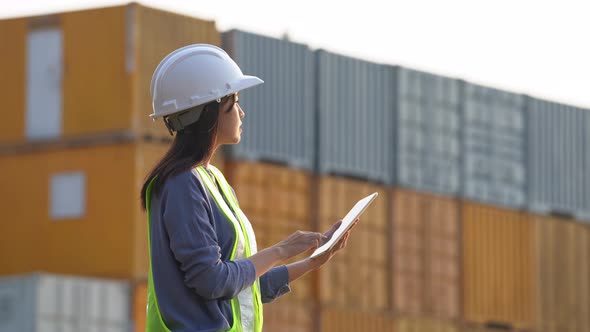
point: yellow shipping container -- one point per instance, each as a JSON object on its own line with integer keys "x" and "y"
{"x": 404, "y": 324}
{"x": 563, "y": 258}
{"x": 342, "y": 320}
{"x": 108, "y": 56}
{"x": 276, "y": 200}
{"x": 426, "y": 259}
{"x": 76, "y": 209}
{"x": 499, "y": 272}
{"x": 358, "y": 276}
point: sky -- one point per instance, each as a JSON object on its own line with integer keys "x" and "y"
{"x": 540, "y": 48}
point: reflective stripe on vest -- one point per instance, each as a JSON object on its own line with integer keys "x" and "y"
{"x": 249, "y": 299}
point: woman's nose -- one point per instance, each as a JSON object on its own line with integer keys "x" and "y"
{"x": 242, "y": 114}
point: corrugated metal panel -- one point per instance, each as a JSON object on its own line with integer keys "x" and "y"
{"x": 356, "y": 120}
{"x": 364, "y": 261}
{"x": 563, "y": 258}
{"x": 158, "y": 33}
{"x": 498, "y": 266}
{"x": 558, "y": 146}
{"x": 289, "y": 317}
{"x": 342, "y": 320}
{"x": 428, "y": 131}
{"x": 494, "y": 153}
{"x": 425, "y": 255}
{"x": 13, "y": 34}
{"x": 404, "y": 324}
{"x": 111, "y": 199}
{"x": 44, "y": 302}
{"x": 276, "y": 201}
{"x": 96, "y": 86}
{"x": 280, "y": 119}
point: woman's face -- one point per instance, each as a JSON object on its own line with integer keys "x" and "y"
{"x": 229, "y": 130}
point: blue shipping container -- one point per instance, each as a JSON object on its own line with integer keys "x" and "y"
{"x": 280, "y": 119}
{"x": 356, "y": 122}
{"x": 428, "y": 131}
{"x": 558, "y": 159}
{"x": 493, "y": 152}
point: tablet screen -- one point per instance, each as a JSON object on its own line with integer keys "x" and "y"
{"x": 347, "y": 222}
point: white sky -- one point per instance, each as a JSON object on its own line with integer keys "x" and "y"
{"x": 541, "y": 48}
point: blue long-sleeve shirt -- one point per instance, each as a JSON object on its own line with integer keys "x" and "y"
{"x": 191, "y": 242}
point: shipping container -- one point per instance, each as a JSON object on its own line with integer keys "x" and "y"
{"x": 425, "y": 255}
{"x": 493, "y": 146}
{"x": 288, "y": 316}
{"x": 88, "y": 72}
{"x": 499, "y": 269}
{"x": 355, "y": 114}
{"x": 558, "y": 159}
{"x": 346, "y": 320}
{"x": 52, "y": 303}
{"x": 280, "y": 116}
{"x": 276, "y": 200}
{"x": 424, "y": 324}
{"x": 358, "y": 276}
{"x": 427, "y": 131}
{"x": 66, "y": 202}
{"x": 563, "y": 259}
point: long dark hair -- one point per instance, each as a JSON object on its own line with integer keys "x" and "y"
{"x": 190, "y": 148}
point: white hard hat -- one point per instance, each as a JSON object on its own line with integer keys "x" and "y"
{"x": 195, "y": 75}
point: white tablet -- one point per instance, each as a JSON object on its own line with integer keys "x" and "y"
{"x": 347, "y": 222}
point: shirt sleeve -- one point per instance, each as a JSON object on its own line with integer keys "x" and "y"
{"x": 274, "y": 284}
{"x": 194, "y": 242}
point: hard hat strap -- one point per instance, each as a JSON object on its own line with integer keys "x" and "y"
{"x": 178, "y": 122}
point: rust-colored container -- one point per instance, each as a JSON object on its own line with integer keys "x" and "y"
{"x": 107, "y": 58}
{"x": 276, "y": 200}
{"x": 499, "y": 270}
{"x": 563, "y": 259}
{"x": 423, "y": 324}
{"x": 347, "y": 320}
{"x": 284, "y": 315}
{"x": 358, "y": 276}
{"x": 75, "y": 209}
{"x": 426, "y": 263}
{"x": 139, "y": 309}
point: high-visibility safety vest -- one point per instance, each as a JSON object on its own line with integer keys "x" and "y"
{"x": 247, "y": 305}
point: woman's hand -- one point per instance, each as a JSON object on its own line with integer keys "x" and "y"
{"x": 320, "y": 260}
{"x": 297, "y": 243}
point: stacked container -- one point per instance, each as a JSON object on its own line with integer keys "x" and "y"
{"x": 427, "y": 132}
{"x": 426, "y": 255}
{"x": 323, "y": 131}
{"x": 280, "y": 120}
{"x": 45, "y": 302}
{"x": 498, "y": 266}
{"x": 559, "y": 156}
{"x": 494, "y": 151}
{"x": 78, "y": 148}
{"x": 355, "y": 118}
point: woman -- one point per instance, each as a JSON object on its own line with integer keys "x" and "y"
{"x": 205, "y": 271}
